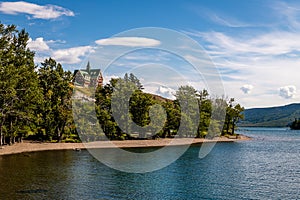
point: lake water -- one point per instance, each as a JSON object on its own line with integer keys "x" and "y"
{"x": 267, "y": 167}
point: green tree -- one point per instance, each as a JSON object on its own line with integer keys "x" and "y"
{"x": 131, "y": 112}
{"x": 205, "y": 108}
{"x": 173, "y": 119}
{"x": 236, "y": 116}
{"x": 186, "y": 97}
{"x": 103, "y": 109}
{"x": 55, "y": 108}
{"x": 19, "y": 83}
{"x": 104, "y": 113}
{"x": 233, "y": 115}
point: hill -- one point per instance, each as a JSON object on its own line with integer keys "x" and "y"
{"x": 160, "y": 98}
{"x": 271, "y": 117}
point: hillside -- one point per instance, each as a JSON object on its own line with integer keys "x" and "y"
{"x": 160, "y": 98}
{"x": 271, "y": 117}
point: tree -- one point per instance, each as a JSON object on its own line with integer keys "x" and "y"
{"x": 237, "y": 115}
{"x": 19, "y": 83}
{"x": 103, "y": 109}
{"x": 186, "y": 98}
{"x": 173, "y": 119}
{"x": 123, "y": 109}
{"x": 103, "y": 98}
{"x": 205, "y": 108}
{"x": 295, "y": 125}
{"x": 55, "y": 108}
{"x": 233, "y": 115}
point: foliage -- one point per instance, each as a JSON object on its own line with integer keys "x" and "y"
{"x": 233, "y": 115}
{"x": 189, "y": 115}
{"x": 295, "y": 125}
{"x": 33, "y": 102}
{"x": 55, "y": 106}
{"x": 19, "y": 93}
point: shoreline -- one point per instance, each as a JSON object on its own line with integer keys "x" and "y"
{"x": 31, "y": 146}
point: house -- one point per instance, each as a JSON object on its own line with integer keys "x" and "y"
{"x": 88, "y": 77}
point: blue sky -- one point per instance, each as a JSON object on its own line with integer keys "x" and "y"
{"x": 255, "y": 45}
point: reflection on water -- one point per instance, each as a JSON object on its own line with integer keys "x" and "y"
{"x": 267, "y": 167}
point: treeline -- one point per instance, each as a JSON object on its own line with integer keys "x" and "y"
{"x": 192, "y": 114}
{"x": 36, "y": 103}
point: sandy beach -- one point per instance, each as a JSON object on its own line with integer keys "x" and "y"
{"x": 30, "y": 146}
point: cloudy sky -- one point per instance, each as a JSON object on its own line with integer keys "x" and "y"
{"x": 255, "y": 45}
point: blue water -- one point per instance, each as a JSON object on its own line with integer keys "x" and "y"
{"x": 268, "y": 167}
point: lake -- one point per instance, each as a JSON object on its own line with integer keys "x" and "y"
{"x": 268, "y": 167}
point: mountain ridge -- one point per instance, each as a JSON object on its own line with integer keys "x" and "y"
{"x": 278, "y": 116}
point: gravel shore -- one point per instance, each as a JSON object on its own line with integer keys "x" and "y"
{"x": 30, "y": 146}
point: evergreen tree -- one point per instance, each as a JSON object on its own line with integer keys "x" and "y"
{"x": 20, "y": 93}
{"x": 233, "y": 115}
{"x": 55, "y": 108}
{"x": 205, "y": 108}
{"x": 186, "y": 98}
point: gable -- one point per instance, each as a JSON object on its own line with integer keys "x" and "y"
{"x": 94, "y": 73}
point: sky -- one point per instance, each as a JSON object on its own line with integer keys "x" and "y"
{"x": 253, "y": 45}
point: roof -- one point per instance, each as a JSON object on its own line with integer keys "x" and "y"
{"x": 94, "y": 73}
{"x": 88, "y": 73}
{"x": 85, "y": 75}
{"x": 84, "y": 72}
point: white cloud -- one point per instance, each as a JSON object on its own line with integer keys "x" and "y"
{"x": 226, "y": 21}
{"x": 129, "y": 41}
{"x": 46, "y": 48}
{"x": 71, "y": 55}
{"x": 287, "y": 92}
{"x": 288, "y": 13}
{"x": 56, "y": 42}
{"x": 219, "y": 18}
{"x": 107, "y": 78}
{"x": 38, "y": 45}
{"x": 35, "y": 10}
{"x": 267, "y": 58}
{"x": 272, "y": 43}
{"x": 166, "y": 92}
{"x": 247, "y": 88}
{"x": 39, "y": 59}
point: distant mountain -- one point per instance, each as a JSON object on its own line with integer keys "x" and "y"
{"x": 271, "y": 117}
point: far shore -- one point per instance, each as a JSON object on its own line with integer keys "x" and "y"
{"x": 32, "y": 146}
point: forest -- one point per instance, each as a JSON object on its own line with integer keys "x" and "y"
{"x": 36, "y": 103}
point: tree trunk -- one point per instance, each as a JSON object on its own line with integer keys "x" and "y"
{"x": 58, "y": 135}
{"x": 233, "y": 126}
{"x": 169, "y": 134}
{"x": 1, "y": 136}
{"x": 11, "y": 134}
{"x": 227, "y": 127}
